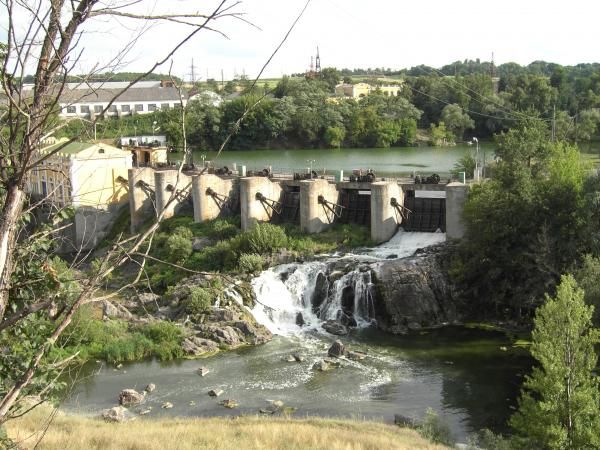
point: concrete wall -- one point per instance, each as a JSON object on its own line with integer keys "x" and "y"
{"x": 252, "y": 210}
{"x": 207, "y": 207}
{"x": 315, "y": 217}
{"x": 164, "y": 183}
{"x": 141, "y": 195}
{"x": 384, "y": 217}
{"x": 91, "y": 225}
{"x": 456, "y": 196}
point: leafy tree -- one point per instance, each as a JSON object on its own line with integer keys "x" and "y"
{"x": 456, "y": 120}
{"x": 560, "y": 405}
{"x": 334, "y": 136}
{"x": 38, "y": 305}
{"x": 525, "y": 227}
{"x": 440, "y": 135}
{"x": 331, "y": 76}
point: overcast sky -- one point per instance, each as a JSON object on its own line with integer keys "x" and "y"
{"x": 353, "y": 33}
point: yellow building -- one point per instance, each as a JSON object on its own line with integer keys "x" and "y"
{"x": 392, "y": 89}
{"x": 92, "y": 177}
{"x": 353, "y": 90}
{"x": 82, "y": 174}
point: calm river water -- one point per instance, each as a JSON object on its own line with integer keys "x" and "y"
{"x": 384, "y": 161}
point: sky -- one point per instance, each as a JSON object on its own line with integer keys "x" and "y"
{"x": 349, "y": 33}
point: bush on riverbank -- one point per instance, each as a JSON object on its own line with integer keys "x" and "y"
{"x": 225, "y": 248}
{"x": 248, "y": 433}
{"x": 119, "y": 341}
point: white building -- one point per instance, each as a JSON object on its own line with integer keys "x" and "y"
{"x": 89, "y": 100}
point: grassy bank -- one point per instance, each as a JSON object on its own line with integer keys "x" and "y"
{"x": 73, "y": 432}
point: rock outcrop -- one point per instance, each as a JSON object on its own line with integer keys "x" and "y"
{"x": 117, "y": 414}
{"x": 414, "y": 292}
{"x": 130, "y": 397}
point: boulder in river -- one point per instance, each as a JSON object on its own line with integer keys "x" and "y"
{"x": 356, "y": 355}
{"x": 117, "y": 414}
{"x": 166, "y": 405}
{"x": 321, "y": 366}
{"x": 203, "y": 371}
{"x": 290, "y": 358}
{"x": 229, "y": 403}
{"x": 215, "y": 392}
{"x": 130, "y": 397}
{"x": 333, "y": 327}
{"x": 298, "y": 357}
{"x": 337, "y": 349}
{"x": 150, "y": 388}
{"x": 300, "y": 319}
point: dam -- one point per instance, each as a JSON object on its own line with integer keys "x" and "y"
{"x": 310, "y": 201}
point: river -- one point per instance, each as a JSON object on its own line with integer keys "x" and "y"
{"x": 397, "y": 161}
{"x": 470, "y": 377}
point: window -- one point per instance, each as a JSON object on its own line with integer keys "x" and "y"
{"x": 44, "y": 189}
{"x": 101, "y": 150}
{"x": 139, "y": 107}
{"x": 71, "y": 110}
{"x": 152, "y": 107}
{"x": 125, "y": 108}
{"x": 60, "y": 194}
{"x": 98, "y": 109}
{"x": 112, "y": 108}
{"x": 84, "y": 109}
{"x": 164, "y": 106}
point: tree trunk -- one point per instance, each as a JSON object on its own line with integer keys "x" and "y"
{"x": 11, "y": 211}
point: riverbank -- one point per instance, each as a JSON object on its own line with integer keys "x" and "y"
{"x": 64, "y": 432}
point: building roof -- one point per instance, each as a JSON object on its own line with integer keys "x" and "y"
{"x": 84, "y": 150}
{"x": 105, "y": 95}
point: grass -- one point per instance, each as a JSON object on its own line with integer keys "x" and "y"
{"x": 249, "y": 432}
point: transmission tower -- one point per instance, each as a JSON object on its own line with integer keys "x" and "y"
{"x": 318, "y": 62}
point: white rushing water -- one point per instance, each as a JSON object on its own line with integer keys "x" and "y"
{"x": 293, "y": 298}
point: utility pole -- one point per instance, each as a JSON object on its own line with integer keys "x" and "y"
{"x": 193, "y": 72}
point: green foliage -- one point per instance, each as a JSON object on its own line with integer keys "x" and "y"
{"x": 587, "y": 277}
{"x": 178, "y": 245}
{"x": 465, "y": 164}
{"x": 199, "y": 300}
{"x": 434, "y": 429}
{"x": 441, "y": 136}
{"x": 264, "y": 239}
{"x": 334, "y": 136}
{"x": 119, "y": 341}
{"x": 560, "y": 405}
{"x": 488, "y": 440}
{"x": 250, "y": 263}
{"x": 456, "y": 120}
{"x": 525, "y": 227}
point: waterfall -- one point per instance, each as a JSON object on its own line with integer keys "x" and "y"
{"x": 293, "y": 298}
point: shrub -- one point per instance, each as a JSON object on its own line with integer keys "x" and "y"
{"x": 264, "y": 239}
{"x": 199, "y": 301}
{"x": 250, "y": 263}
{"x": 219, "y": 257}
{"x": 223, "y": 229}
{"x": 179, "y": 245}
{"x": 435, "y": 430}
